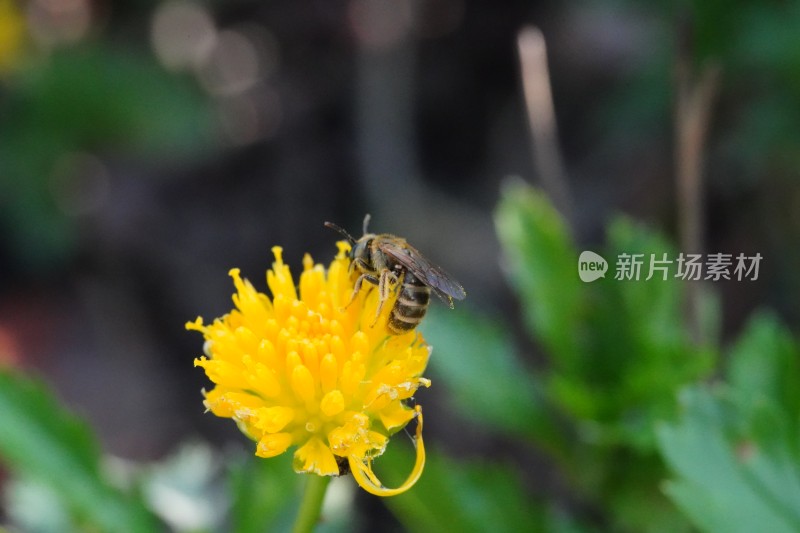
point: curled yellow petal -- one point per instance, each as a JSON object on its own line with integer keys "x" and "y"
{"x": 361, "y": 468}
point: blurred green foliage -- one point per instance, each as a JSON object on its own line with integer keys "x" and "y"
{"x": 265, "y": 495}
{"x": 42, "y": 441}
{"x": 757, "y": 113}
{"x": 90, "y": 99}
{"x": 734, "y": 449}
{"x": 616, "y": 353}
{"x": 466, "y": 496}
{"x": 61, "y": 482}
{"x": 604, "y": 405}
{"x": 484, "y": 358}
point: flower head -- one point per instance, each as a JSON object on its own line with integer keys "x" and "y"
{"x": 312, "y": 369}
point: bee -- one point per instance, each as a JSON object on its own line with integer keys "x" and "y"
{"x": 388, "y": 261}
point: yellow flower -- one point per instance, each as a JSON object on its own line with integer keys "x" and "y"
{"x": 311, "y": 369}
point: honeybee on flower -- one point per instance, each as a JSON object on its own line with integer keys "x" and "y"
{"x": 389, "y": 261}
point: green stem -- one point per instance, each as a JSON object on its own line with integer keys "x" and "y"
{"x": 311, "y": 506}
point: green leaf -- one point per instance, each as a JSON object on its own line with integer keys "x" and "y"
{"x": 542, "y": 265}
{"x": 265, "y": 494}
{"x": 453, "y": 496}
{"x": 141, "y": 107}
{"x": 618, "y": 348}
{"x": 730, "y": 477}
{"x": 640, "y": 332}
{"x": 476, "y": 361}
{"x": 636, "y": 349}
{"x": 44, "y": 442}
{"x": 765, "y": 363}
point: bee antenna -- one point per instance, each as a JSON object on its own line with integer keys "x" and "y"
{"x": 340, "y": 230}
{"x": 366, "y": 222}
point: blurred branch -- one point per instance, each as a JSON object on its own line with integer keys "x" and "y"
{"x": 541, "y": 118}
{"x": 693, "y": 102}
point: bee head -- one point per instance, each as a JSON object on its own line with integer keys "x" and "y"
{"x": 360, "y": 248}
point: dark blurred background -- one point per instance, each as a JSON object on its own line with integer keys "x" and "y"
{"x": 148, "y": 147}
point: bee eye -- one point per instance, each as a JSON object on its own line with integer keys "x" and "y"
{"x": 361, "y": 249}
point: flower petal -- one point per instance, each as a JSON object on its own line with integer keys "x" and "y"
{"x": 303, "y": 383}
{"x": 395, "y": 415}
{"x": 273, "y": 419}
{"x": 279, "y": 278}
{"x": 314, "y": 457}
{"x": 332, "y": 403}
{"x": 361, "y": 467}
{"x": 273, "y": 444}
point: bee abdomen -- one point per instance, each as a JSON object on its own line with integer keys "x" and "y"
{"x": 410, "y": 307}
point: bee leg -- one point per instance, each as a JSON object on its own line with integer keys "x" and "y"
{"x": 362, "y": 266}
{"x": 357, "y": 287}
{"x": 387, "y": 280}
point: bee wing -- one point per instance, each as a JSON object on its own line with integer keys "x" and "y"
{"x": 443, "y": 285}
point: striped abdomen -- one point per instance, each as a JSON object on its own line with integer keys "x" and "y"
{"x": 411, "y": 305}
